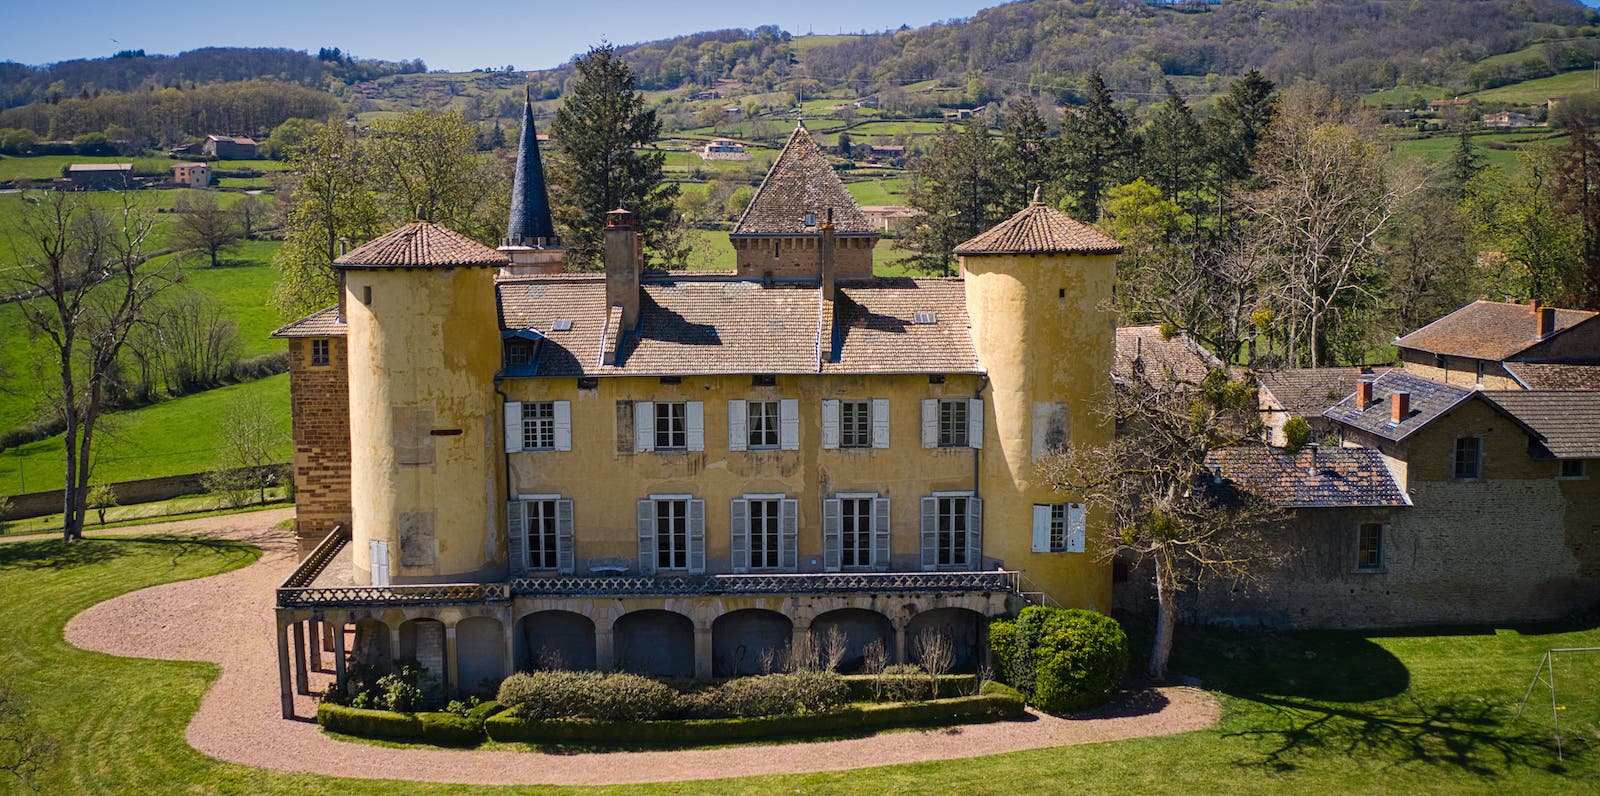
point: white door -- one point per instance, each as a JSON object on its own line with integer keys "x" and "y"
{"x": 380, "y": 562}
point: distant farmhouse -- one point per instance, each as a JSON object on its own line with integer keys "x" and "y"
{"x": 99, "y": 176}
{"x": 229, "y": 147}
{"x": 191, "y": 175}
{"x": 724, "y": 149}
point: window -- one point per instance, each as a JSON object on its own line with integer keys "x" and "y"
{"x": 672, "y": 534}
{"x": 951, "y": 531}
{"x": 763, "y": 529}
{"x": 319, "y": 353}
{"x": 518, "y": 353}
{"x": 1571, "y": 468}
{"x": 855, "y": 424}
{"x": 1468, "y": 458}
{"x": 1059, "y": 528}
{"x": 539, "y": 425}
{"x": 855, "y": 532}
{"x": 953, "y": 423}
{"x": 762, "y": 425}
{"x": 764, "y": 533}
{"x": 671, "y": 426}
{"x": 1369, "y": 546}
{"x": 540, "y": 532}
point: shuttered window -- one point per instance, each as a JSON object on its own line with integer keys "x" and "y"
{"x": 540, "y": 532}
{"x": 763, "y": 533}
{"x": 855, "y": 424}
{"x": 953, "y": 423}
{"x": 538, "y": 426}
{"x": 672, "y": 534}
{"x": 855, "y": 532}
{"x": 761, "y": 422}
{"x": 952, "y": 531}
{"x": 671, "y": 426}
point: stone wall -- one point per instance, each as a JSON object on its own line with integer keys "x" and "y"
{"x": 320, "y": 396}
{"x": 797, "y": 257}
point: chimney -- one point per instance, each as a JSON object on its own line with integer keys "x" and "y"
{"x": 825, "y": 251}
{"x": 1311, "y": 458}
{"x": 1399, "y": 406}
{"x": 622, "y": 266}
{"x": 1547, "y": 321}
{"x": 1363, "y": 393}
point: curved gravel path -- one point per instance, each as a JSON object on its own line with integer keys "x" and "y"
{"x": 228, "y": 619}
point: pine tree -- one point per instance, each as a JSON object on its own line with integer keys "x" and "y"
{"x": 1465, "y": 163}
{"x": 1174, "y": 151}
{"x": 1097, "y": 151}
{"x": 957, "y": 187}
{"x": 597, "y": 164}
{"x": 1031, "y": 157}
{"x": 1236, "y": 128}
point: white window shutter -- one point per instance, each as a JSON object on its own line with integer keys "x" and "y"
{"x": 379, "y": 555}
{"x": 696, "y": 425}
{"x": 647, "y": 537}
{"x": 644, "y": 426}
{"x": 1041, "y": 528}
{"x": 930, "y": 533}
{"x": 1077, "y": 526}
{"x": 974, "y": 533}
{"x": 832, "y": 544}
{"x": 738, "y": 428}
{"x": 830, "y": 423}
{"x": 880, "y": 422}
{"x": 516, "y": 538}
{"x": 930, "y": 423}
{"x": 697, "y": 537}
{"x": 563, "y": 425}
{"x": 789, "y": 535}
{"x": 566, "y": 559}
{"x": 513, "y": 426}
{"x": 789, "y": 424}
{"x": 739, "y": 538}
{"x": 975, "y": 422}
{"x": 880, "y": 534}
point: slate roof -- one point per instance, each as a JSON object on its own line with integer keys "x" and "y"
{"x": 421, "y": 244}
{"x": 1180, "y": 356}
{"x": 322, "y": 323}
{"x": 1489, "y": 330}
{"x": 530, "y": 201}
{"x": 1430, "y": 400}
{"x": 1542, "y": 376}
{"x": 1040, "y": 229}
{"x": 1306, "y": 392}
{"x": 1311, "y": 478}
{"x": 1568, "y": 420}
{"x": 697, "y": 326}
{"x": 800, "y": 182}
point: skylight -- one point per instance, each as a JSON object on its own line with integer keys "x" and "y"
{"x": 925, "y": 317}
{"x": 561, "y": 326}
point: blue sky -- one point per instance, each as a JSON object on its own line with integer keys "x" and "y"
{"x": 448, "y": 35}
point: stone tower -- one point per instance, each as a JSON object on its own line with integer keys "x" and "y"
{"x": 425, "y": 454}
{"x": 1037, "y": 288}
{"x": 780, "y": 232}
{"x": 531, "y": 240}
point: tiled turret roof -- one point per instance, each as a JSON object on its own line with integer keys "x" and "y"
{"x": 801, "y": 182}
{"x": 1040, "y": 229}
{"x": 421, "y": 244}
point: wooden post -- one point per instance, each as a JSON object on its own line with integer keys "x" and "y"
{"x": 300, "y": 680}
{"x": 285, "y": 689}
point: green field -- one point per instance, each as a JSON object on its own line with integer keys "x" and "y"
{"x": 1496, "y": 149}
{"x": 889, "y": 191}
{"x": 181, "y": 435}
{"x": 1420, "y": 712}
{"x": 1530, "y": 92}
{"x": 48, "y": 167}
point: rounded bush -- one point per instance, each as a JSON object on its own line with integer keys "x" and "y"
{"x": 589, "y": 695}
{"x": 794, "y": 694}
{"x": 1063, "y": 660}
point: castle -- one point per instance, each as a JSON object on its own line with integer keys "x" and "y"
{"x": 502, "y": 465}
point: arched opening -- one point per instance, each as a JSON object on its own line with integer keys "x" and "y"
{"x": 480, "y": 652}
{"x": 370, "y": 648}
{"x": 750, "y": 641}
{"x": 655, "y": 643}
{"x": 557, "y": 640}
{"x": 958, "y": 630}
{"x": 422, "y": 640}
{"x": 857, "y": 628}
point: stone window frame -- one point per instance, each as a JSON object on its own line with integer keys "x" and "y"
{"x": 1378, "y": 561}
{"x": 1458, "y": 471}
{"x": 321, "y": 352}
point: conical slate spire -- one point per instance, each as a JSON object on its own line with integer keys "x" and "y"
{"x": 530, "y": 202}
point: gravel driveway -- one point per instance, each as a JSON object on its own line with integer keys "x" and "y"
{"x": 228, "y": 619}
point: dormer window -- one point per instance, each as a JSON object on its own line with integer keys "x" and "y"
{"x": 518, "y": 352}
{"x": 811, "y": 219}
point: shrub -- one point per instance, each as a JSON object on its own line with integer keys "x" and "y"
{"x": 444, "y": 729}
{"x": 1063, "y": 660}
{"x": 798, "y": 693}
{"x": 591, "y": 695}
{"x": 869, "y": 688}
{"x": 1002, "y": 646}
{"x": 1296, "y": 432}
{"x": 903, "y": 682}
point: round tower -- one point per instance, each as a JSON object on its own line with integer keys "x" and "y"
{"x": 1038, "y": 289}
{"x": 425, "y": 457}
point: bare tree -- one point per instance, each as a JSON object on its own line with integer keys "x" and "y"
{"x": 1153, "y": 479}
{"x": 203, "y": 226}
{"x": 82, "y": 268}
{"x": 936, "y": 651}
{"x": 22, "y": 745}
{"x": 253, "y": 442}
{"x": 197, "y": 343}
{"x": 875, "y": 658}
{"x": 251, "y": 213}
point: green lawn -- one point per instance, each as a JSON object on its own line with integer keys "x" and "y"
{"x": 182, "y": 435}
{"x": 889, "y": 191}
{"x": 48, "y": 167}
{"x": 1496, "y": 149}
{"x": 1419, "y": 713}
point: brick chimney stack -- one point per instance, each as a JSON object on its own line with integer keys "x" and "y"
{"x": 825, "y": 251}
{"x": 1399, "y": 406}
{"x": 1363, "y": 393}
{"x": 622, "y": 265}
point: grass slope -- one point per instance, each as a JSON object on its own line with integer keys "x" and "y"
{"x": 1419, "y": 713}
{"x": 1541, "y": 89}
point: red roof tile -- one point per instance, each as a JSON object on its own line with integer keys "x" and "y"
{"x": 799, "y": 183}
{"x": 1489, "y": 330}
{"x": 1040, "y": 229}
{"x": 422, "y": 244}
{"x": 322, "y": 323}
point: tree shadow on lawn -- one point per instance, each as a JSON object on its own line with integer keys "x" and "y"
{"x": 58, "y": 554}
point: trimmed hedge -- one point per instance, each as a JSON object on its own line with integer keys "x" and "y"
{"x": 443, "y": 729}
{"x": 863, "y": 686}
{"x": 993, "y": 705}
{"x": 1063, "y": 660}
{"x": 617, "y": 696}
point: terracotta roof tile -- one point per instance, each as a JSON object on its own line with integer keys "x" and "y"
{"x": 1040, "y": 229}
{"x": 322, "y": 323}
{"x": 1311, "y": 478}
{"x": 1489, "y": 330}
{"x": 1542, "y": 376}
{"x": 421, "y": 244}
{"x": 1569, "y": 420}
{"x": 801, "y": 182}
{"x": 1307, "y": 392}
{"x": 875, "y": 328}
{"x": 1158, "y": 357}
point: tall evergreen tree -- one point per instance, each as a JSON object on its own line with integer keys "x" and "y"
{"x": 1239, "y": 123}
{"x": 1097, "y": 151}
{"x": 1030, "y": 156}
{"x": 598, "y": 163}
{"x": 957, "y": 186}
{"x": 1465, "y": 163}
{"x": 1174, "y": 151}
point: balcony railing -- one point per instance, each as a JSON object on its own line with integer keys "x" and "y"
{"x": 828, "y": 583}
{"x": 429, "y": 594}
